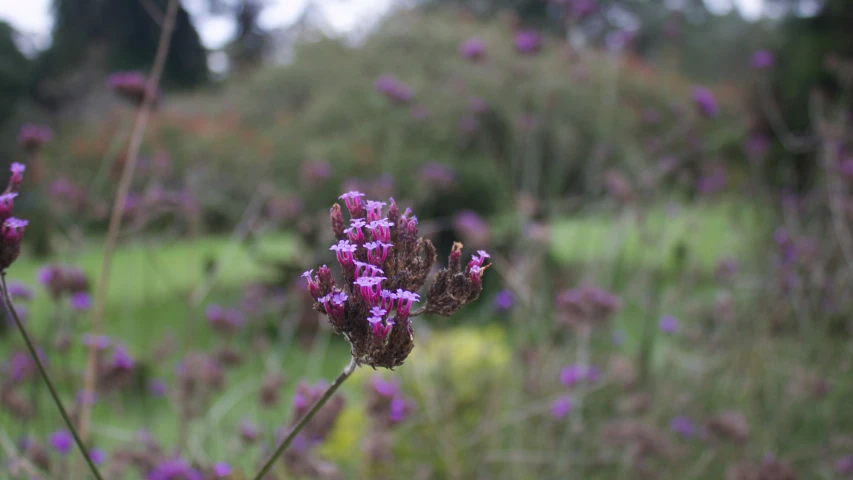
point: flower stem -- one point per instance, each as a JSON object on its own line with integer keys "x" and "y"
{"x": 10, "y": 309}
{"x": 347, "y": 371}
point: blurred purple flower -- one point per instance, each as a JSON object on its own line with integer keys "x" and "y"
{"x": 844, "y": 465}
{"x": 98, "y": 456}
{"x": 20, "y": 291}
{"x": 158, "y": 388}
{"x": 394, "y": 89}
{"x": 130, "y": 85}
{"x": 571, "y": 375}
{"x": 561, "y": 406}
{"x": 705, "y": 101}
{"x": 683, "y": 426}
{"x": 248, "y": 432}
{"x": 472, "y": 228}
{"x": 86, "y": 397}
{"x": 713, "y": 181}
{"x": 504, "y": 300}
{"x": 437, "y": 175}
{"x": 221, "y": 470}
{"x": 31, "y": 137}
{"x": 386, "y": 388}
{"x": 61, "y": 441}
{"x": 175, "y": 469}
{"x": 81, "y": 301}
{"x": 527, "y": 41}
{"x": 582, "y": 8}
{"x": 398, "y": 409}
{"x": 668, "y": 324}
{"x": 762, "y": 59}
{"x": 473, "y": 49}
{"x": 121, "y": 359}
{"x": 101, "y": 342}
{"x": 757, "y": 146}
{"x": 618, "y": 40}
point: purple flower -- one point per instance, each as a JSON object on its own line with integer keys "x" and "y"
{"x": 81, "y": 301}
{"x": 121, "y": 359}
{"x": 394, "y": 89}
{"x": 504, "y": 300}
{"x": 705, "y": 101}
{"x": 20, "y": 291}
{"x": 582, "y": 8}
{"x": 397, "y": 409}
{"x": 437, "y": 175}
{"x": 683, "y": 426}
{"x": 377, "y": 252}
{"x": 221, "y": 470}
{"x": 13, "y": 230}
{"x": 344, "y": 250}
{"x": 472, "y": 228}
{"x": 7, "y": 202}
{"x": 97, "y": 455}
{"x": 844, "y": 465}
{"x": 20, "y": 366}
{"x": 473, "y": 49}
{"x": 571, "y": 375}
{"x": 386, "y": 388}
{"x": 527, "y": 41}
{"x": 157, "y": 388}
{"x": 371, "y": 288}
{"x": 315, "y": 171}
{"x": 130, "y": 85}
{"x": 17, "y": 177}
{"x": 61, "y": 441}
{"x": 100, "y": 342}
{"x": 762, "y": 59}
{"x": 561, "y": 406}
{"x": 404, "y": 303}
{"x": 381, "y": 230}
{"x": 87, "y": 397}
{"x": 248, "y": 432}
{"x": 31, "y": 137}
{"x": 668, "y": 324}
{"x": 175, "y": 469}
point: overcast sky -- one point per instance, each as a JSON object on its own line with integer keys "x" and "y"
{"x": 34, "y": 18}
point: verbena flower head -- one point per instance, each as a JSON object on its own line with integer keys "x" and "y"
{"x": 586, "y": 306}
{"x": 504, "y": 300}
{"x": 762, "y": 59}
{"x": 561, "y": 406}
{"x": 61, "y": 441}
{"x": 16, "y": 178}
{"x": 221, "y": 470}
{"x": 394, "y": 89}
{"x": 683, "y": 426}
{"x": 31, "y": 137}
{"x": 81, "y": 301}
{"x": 668, "y": 324}
{"x": 174, "y": 469}
{"x": 705, "y": 102}
{"x": 98, "y": 456}
{"x": 473, "y": 49}
{"x": 11, "y": 233}
{"x": 382, "y": 274}
{"x": 528, "y": 41}
{"x": 130, "y": 86}
{"x": 7, "y": 202}
{"x": 437, "y": 175}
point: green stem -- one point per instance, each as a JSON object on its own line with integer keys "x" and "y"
{"x": 10, "y": 309}
{"x": 347, "y": 371}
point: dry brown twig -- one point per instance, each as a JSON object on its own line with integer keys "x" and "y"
{"x": 143, "y": 113}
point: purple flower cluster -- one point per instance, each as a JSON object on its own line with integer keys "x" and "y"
{"x": 572, "y": 375}
{"x": 224, "y": 320}
{"x": 383, "y": 263}
{"x": 473, "y": 49}
{"x": 12, "y": 229}
{"x": 31, "y": 137}
{"x": 437, "y": 175}
{"x": 390, "y": 401}
{"x": 528, "y": 41}
{"x": 174, "y": 469}
{"x": 61, "y": 280}
{"x": 705, "y": 102}
{"x": 762, "y": 59}
{"x": 586, "y": 305}
{"x": 130, "y": 85}
{"x": 394, "y": 89}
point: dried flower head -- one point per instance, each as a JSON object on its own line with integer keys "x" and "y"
{"x": 384, "y": 264}
{"x": 31, "y": 137}
{"x": 586, "y": 306}
{"x": 130, "y": 85}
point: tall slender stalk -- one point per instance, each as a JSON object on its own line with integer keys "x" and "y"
{"x": 10, "y": 310}
{"x": 144, "y": 111}
{"x": 347, "y": 371}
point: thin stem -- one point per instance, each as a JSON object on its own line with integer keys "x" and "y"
{"x": 347, "y": 371}
{"x": 144, "y": 111}
{"x": 10, "y": 309}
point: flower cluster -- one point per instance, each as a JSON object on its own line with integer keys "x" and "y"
{"x": 586, "y": 306}
{"x": 705, "y": 102}
{"x": 473, "y": 49}
{"x": 302, "y": 459}
{"x": 394, "y": 89}
{"x": 384, "y": 264}
{"x": 223, "y": 320}
{"x": 31, "y": 137}
{"x": 11, "y": 229}
{"x": 62, "y": 280}
{"x": 130, "y": 85}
